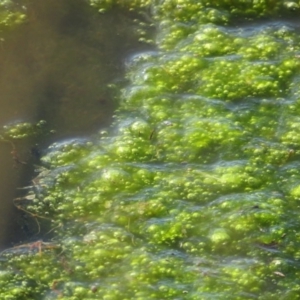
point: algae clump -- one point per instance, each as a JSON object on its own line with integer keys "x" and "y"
{"x": 193, "y": 194}
{"x": 11, "y": 15}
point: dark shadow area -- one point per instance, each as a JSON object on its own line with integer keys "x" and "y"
{"x": 56, "y": 67}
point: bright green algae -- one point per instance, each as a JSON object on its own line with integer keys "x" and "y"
{"x": 194, "y": 192}
{"x": 11, "y": 15}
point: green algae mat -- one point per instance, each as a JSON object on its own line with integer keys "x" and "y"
{"x": 194, "y": 191}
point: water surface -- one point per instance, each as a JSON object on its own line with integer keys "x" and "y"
{"x": 56, "y": 67}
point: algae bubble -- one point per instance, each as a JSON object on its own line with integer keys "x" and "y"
{"x": 193, "y": 192}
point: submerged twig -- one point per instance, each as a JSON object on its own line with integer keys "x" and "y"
{"x": 16, "y": 158}
{"x": 35, "y": 216}
{"x": 39, "y": 245}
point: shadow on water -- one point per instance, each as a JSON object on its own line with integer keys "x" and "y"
{"x": 56, "y": 67}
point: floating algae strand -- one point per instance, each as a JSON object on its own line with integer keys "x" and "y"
{"x": 194, "y": 192}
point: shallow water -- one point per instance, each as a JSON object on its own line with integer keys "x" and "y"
{"x": 56, "y": 67}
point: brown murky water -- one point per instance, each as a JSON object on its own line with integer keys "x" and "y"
{"x": 56, "y": 67}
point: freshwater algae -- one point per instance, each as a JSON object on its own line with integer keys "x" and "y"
{"x": 193, "y": 193}
{"x": 23, "y": 130}
{"x": 11, "y": 15}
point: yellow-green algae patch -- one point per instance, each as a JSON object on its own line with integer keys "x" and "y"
{"x": 194, "y": 192}
{"x": 11, "y": 15}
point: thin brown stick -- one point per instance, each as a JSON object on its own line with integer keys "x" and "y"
{"x": 13, "y": 152}
{"x": 35, "y": 216}
{"x": 39, "y": 245}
